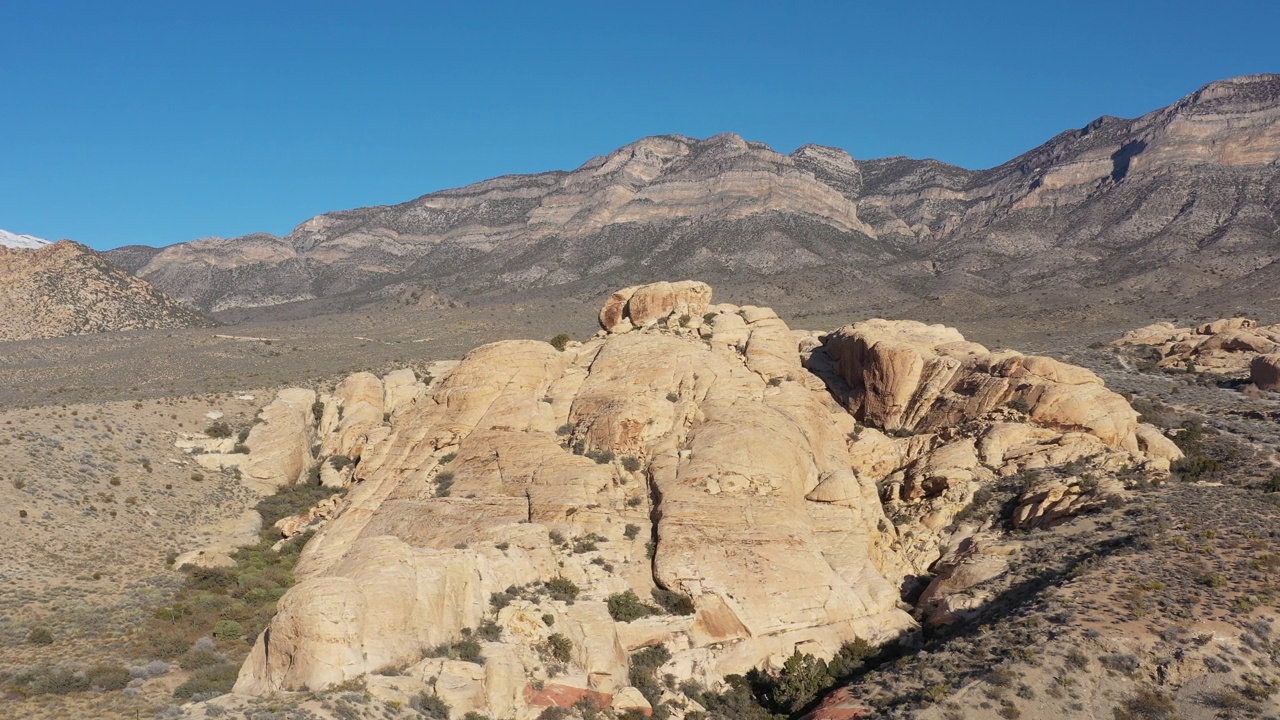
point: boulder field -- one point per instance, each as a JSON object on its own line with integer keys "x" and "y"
{"x": 697, "y": 476}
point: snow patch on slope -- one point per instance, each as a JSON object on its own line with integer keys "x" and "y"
{"x": 27, "y": 242}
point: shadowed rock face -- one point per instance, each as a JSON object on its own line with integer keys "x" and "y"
{"x": 706, "y": 454}
{"x": 65, "y": 288}
{"x": 1184, "y": 198}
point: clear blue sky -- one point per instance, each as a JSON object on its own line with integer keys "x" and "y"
{"x": 158, "y": 122}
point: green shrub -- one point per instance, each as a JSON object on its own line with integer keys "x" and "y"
{"x": 1146, "y": 704}
{"x": 1272, "y": 484}
{"x": 108, "y": 677}
{"x": 631, "y": 531}
{"x": 444, "y": 484}
{"x": 630, "y": 463}
{"x": 212, "y": 679}
{"x": 562, "y": 588}
{"x": 218, "y": 429}
{"x": 673, "y": 602}
{"x": 1194, "y": 467}
{"x": 40, "y": 636}
{"x": 559, "y": 647}
{"x": 627, "y": 607}
{"x": 228, "y": 630}
{"x": 431, "y": 706}
{"x": 559, "y": 342}
{"x": 489, "y": 630}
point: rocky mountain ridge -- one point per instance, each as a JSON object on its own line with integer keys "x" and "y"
{"x": 1186, "y": 196}
{"x": 65, "y": 288}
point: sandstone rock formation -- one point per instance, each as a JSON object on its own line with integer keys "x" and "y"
{"x": 1232, "y": 347}
{"x": 64, "y": 288}
{"x": 719, "y": 460}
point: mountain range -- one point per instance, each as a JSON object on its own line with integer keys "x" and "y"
{"x": 1181, "y": 204}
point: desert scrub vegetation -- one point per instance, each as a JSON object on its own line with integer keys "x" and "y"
{"x": 232, "y": 604}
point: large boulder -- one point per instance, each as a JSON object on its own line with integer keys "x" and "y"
{"x": 643, "y": 305}
{"x": 1264, "y": 372}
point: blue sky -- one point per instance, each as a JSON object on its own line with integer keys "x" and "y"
{"x": 159, "y": 122}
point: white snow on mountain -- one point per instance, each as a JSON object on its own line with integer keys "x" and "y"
{"x": 28, "y": 242}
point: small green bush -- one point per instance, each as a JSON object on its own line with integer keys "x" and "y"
{"x": 218, "y": 429}
{"x": 444, "y": 484}
{"x": 631, "y": 531}
{"x": 40, "y": 636}
{"x": 673, "y": 602}
{"x": 228, "y": 630}
{"x": 630, "y": 463}
{"x": 559, "y": 647}
{"x": 431, "y": 706}
{"x": 559, "y": 342}
{"x": 627, "y": 607}
{"x": 108, "y": 677}
{"x": 562, "y": 588}
{"x": 213, "y": 679}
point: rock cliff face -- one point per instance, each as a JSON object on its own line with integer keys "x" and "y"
{"x": 533, "y": 500}
{"x": 65, "y": 288}
{"x": 1183, "y": 199}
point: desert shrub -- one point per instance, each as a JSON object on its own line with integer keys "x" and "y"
{"x": 59, "y": 681}
{"x": 240, "y": 448}
{"x": 602, "y": 457}
{"x": 467, "y": 650}
{"x": 801, "y": 679}
{"x": 1019, "y": 404}
{"x": 201, "y": 657}
{"x": 565, "y": 429}
{"x": 673, "y": 602}
{"x": 489, "y": 630}
{"x": 559, "y": 342}
{"x": 444, "y": 484}
{"x": 554, "y": 713}
{"x": 40, "y": 636}
{"x": 1194, "y": 467}
{"x": 317, "y": 408}
{"x": 562, "y": 588}
{"x": 430, "y": 705}
{"x": 448, "y": 458}
{"x": 1127, "y": 664}
{"x": 108, "y": 677}
{"x": 1146, "y": 704}
{"x": 851, "y": 658}
{"x": 218, "y": 429}
{"x": 631, "y": 531}
{"x": 630, "y": 463}
{"x": 1272, "y": 484}
{"x": 627, "y": 606}
{"x": 228, "y": 630}
{"x": 672, "y": 397}
{"x": 338, "y": 462}
{"x": 291, "y": 500}
{"x": 559, "y": 647}
{"x": 215, "y": 679}
{"x": 644, "y": 669}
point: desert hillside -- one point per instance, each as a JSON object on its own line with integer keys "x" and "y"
{"x": 65, "y": 288}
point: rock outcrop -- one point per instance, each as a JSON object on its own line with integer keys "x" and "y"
{"x": 948, "y": 416}
{"x": 521, "y": 496}
{"x": 1232, "y": 347}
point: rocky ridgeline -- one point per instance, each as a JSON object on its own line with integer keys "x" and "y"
{"x": 1237, "y": 348}
{"x": 771, "y": 488}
